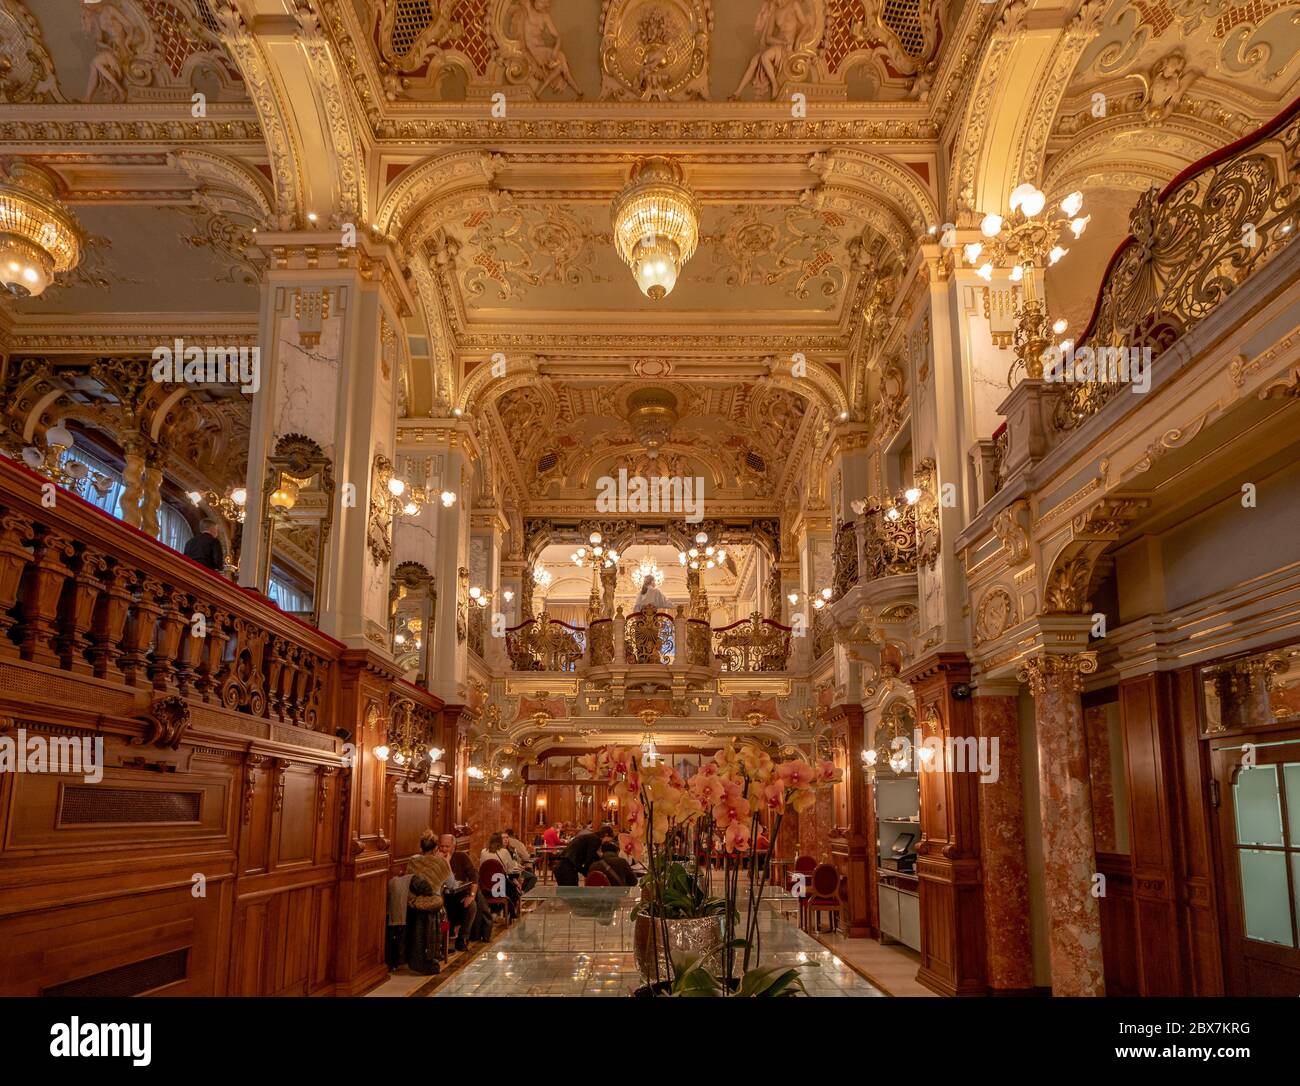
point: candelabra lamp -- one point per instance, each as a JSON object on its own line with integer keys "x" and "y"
{"x": 1027, "y": 240}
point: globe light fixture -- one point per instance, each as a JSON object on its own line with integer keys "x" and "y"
{"x": 448, "y": 499}
{"x": 656, "y": 225}
{"x": 39, "y": 239}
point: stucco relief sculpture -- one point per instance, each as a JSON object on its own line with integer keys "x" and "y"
{"x": 141, "y": 53}
{"x": 655, "y": 50}
{"x": 788, "y": 33}
{"x": 546, "y": 66}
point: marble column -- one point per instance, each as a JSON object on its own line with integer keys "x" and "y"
{"x": 330, "y": 316}
{"x": 1002, "y": 847}
{"x": 1069, "y": 852}
{"x": 1101, "y": 776}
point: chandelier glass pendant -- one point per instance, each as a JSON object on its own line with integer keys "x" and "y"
{"x": 38, "y": 238}
{"x": 656, "y": 225}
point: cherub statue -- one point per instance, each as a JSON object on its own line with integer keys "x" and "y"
{"x": 546, "y": 58}
{"x": 780, "y": 27}
{"x": 116, "y": 44}
{"x": 1165, "y": 86}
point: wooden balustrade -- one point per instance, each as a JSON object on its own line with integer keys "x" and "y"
{"x": 83, "y": 592}
{"x": 238, "y": 746}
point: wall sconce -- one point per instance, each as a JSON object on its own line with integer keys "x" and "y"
{"x": 478, "y": 596}
{"x": 381, "y": 752}
{"x": 793, "y": 598}
{"x": 285, "y": 495}
{"x": 508, "y": 595}
{"x": 448, "y": 499}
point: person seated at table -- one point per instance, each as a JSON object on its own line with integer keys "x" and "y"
{"x": 517, "y": 848}
{"x": 466, "y": 907}
{"x": 580, "y": 854}
{"x": 613, "y": 866}
{"x": 496, "y": 850}
{"x": 551, "y": 836}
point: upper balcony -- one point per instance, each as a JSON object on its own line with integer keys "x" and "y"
{"x": 1186, "y": 302}
{"x": 649, "y": 642}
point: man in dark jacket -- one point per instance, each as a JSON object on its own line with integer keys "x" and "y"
{"x": 205, "y": 548}
{"x": 582, "y": 852}
{"x": 613, "y": 866}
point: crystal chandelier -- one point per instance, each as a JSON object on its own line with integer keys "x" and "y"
{"x": 38, "y": 238}
{"x": 656, "y": 225}
{"x": 648, "y": 567}
{"x": 652, "y": 414}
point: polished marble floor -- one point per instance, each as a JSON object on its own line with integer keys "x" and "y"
{"x": 578, "y": 942}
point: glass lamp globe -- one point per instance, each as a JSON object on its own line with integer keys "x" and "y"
{"x": 25, "y": 271}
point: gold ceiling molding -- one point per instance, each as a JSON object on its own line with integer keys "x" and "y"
{"x": 272, "y": 114}
{"x": 348, "y": 151}
{"x": 852, "y": 177}
{"x": 968, "y": 150}
{"x": 1047, "y": 95}
{"x": 1106, "y": 153}
{"x": 28, "y": 74}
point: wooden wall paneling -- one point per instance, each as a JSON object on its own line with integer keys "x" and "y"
{"x": 1198, "y": 896}
{"x": 1118, "y": 925}
{"x": 953, "y": 959}
{"x": 855, "y": 850}
{"x": 1151, "y": 767}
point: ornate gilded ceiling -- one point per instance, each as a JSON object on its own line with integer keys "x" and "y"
{"x": 564, "y": 435}
{"x": 485, "y": 139}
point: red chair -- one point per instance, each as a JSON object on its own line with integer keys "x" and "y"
{"x": 597, "y": 878}
{"x": 825, "y": 898}
{"x": 488, "y": 871}
{"x": 803, "y": 865}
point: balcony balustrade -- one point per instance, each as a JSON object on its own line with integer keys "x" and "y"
{"x": 545, "y": 644}
{"x": 650, "y": 639}
{"x": 84, "y": 593}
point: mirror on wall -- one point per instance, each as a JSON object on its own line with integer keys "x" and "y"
{"x": 412, "y": 600}
{"x": 297, "y": 514}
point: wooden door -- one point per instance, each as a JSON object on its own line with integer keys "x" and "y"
{"x": 1259, "y": 838}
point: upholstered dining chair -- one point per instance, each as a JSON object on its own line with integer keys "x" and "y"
{"x": 597, "y": 878}
{"x": 487, "y": 880}
{"x": 824, "y": 897}
{"x": 805, "y": 866}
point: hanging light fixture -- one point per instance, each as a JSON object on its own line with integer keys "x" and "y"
{"x": 656, "y": 225}
{"x": 38, "y": 238}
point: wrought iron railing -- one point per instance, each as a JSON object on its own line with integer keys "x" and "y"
{"x": 1190, "y": 247}
{"x": 649, "y": 638}
{"x": 845, "y": 564}
{"x": 545, "y": 645}
{"x": 753, "y": 644}
{"x": 891, "y": 545}
{"x": 601, "y": 633}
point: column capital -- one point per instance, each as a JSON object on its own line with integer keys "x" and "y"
{"x": 1056, "y": 671}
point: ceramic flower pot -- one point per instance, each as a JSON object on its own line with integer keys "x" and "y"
{"x": 703, "y": 936}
